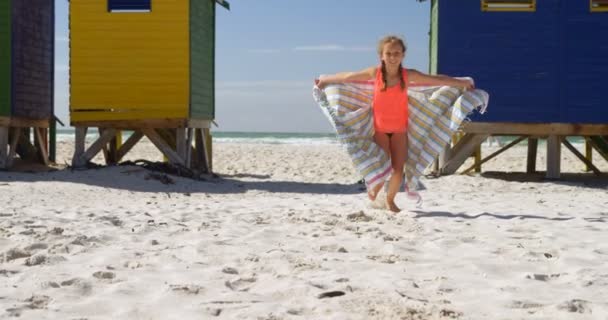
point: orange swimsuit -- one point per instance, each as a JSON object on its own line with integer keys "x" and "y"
{"x": 390, "y": 106}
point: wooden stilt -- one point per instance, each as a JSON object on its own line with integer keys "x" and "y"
{"x": 443, "y": 158}
{"x": 93, "y": 150}
{"x": 180, "y": 143}
{"x": 462, "y": 150}
{"x": 553, "y": 156}
{"x": 4, "y": 147}
{"x": 588, "y": 154}
{"x": 128, "y": 145}
{"x": 41, "y": 143}
{"x": 478, "y": 162}
{"x": 201, "y": 151}
{"x": 600, "y": 144}
{"x": 580, "y": 156}
{"x": 208, "y": 148}
{"x": 532, "y": 150}
{"x": 14, "y": 144}
{"x": 494, "y": 154}
{"x": 189, "y": 137}
{"x": 79, "y": 146}
{"x": 162, "y": 145}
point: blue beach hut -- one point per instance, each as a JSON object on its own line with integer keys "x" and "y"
{"x": 544, "y": 64}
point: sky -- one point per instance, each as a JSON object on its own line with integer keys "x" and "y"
{"x": 268, "y": 52}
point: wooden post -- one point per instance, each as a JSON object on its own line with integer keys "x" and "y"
{"x": 4, "y": 147}
{"x": 478, "y": 159}
{"x": 553, "y": 156}
{"x": 443, "y": 158}
{"x": 588, "y": 155}
{"x": 532, "y": 150}
{"x": 180, "y": 143}
{"x": 40, "y": 142}
{"x": 14, "y": 144}
{"x": 208, "y": 148}
{"x": 79, "y": 145}
{"x": 53, "y": 140}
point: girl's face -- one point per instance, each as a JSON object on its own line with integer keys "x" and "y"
{"x": 392, "y": 54}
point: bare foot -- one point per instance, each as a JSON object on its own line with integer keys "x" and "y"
{"x": 372, "y": 194}
{"x": 393, "y": 207}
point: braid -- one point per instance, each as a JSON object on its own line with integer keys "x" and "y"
{"x": 383, "y": 70}
{"x": 401, "y": 77}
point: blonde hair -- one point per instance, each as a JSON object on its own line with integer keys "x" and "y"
{"x": 384, "y": 41}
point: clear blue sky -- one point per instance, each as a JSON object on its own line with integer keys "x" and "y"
{"x": 268, "y": 53}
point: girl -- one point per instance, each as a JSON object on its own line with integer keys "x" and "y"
{"x": 390, "y": 105}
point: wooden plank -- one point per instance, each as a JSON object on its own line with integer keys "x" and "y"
{"x": 494, "y": 154}
{"x": 23, "y": 122}
{"x": 79, "y": 146}
{"x": 40, "y": 143}
{"x": 443, "y": 158}
{"x": 4, "y": 147}
{"x": 541, "y": 129}
{"x": 463, "y": 150}
{"x": 200, "y": 124}
{"x": 580, "y": 156}
{"x": 136, "y": 124}
{"x": 600, "y": 145}
{"x": 160, "y": 143}
{"x": 108, "y": 134}
{"x": 553, "y": 156}
{"x": 532, "y": 151}
{"x": 128, "y": 145}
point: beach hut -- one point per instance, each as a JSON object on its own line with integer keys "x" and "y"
{"x": 145, "y": 66}
{"x": 26, "y": 80}
{"x": 543, "y": 63}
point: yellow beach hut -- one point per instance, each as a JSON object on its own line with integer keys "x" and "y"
{"x": 145, "y": 66}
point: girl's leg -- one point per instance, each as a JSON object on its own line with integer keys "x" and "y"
{"x": 398, "y": 149}
{"x": 383, "y": 141}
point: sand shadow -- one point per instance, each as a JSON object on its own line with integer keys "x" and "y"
{"x": 138, "y": 179}
{"x": 587, "y": 180}
{"x": 445, "y": 214}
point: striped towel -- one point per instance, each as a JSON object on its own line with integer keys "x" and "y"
{"x": 435, "y": 113}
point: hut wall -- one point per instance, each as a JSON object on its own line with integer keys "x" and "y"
{"x": 202, "y": 20}
{"x": 539, "y": 67}
{"x": 5, "y": 58}
{"x": 32, "y": 58}
{"x": 129, "y": 65}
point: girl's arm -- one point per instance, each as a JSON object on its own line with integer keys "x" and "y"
{"x": 439, "y": 80}
{"x": 365, "y": 74}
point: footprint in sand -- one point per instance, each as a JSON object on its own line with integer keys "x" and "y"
{"x": 187, "y": 289}
{"x": 576, "y": 306}
{"x": 35, "y": 302}
{"x": 241, "y": 284}
{"x": 543, "y": 277}
{"x": 525, "y": 305}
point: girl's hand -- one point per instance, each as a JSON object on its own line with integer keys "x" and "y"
{"x": 467, "y": 84}
{"x": 320, "y": 83}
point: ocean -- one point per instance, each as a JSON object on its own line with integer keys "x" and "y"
{"x": 238, "y": 137}
{"x": 278, "y": 137}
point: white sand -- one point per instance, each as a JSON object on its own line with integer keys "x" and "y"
{"x": 286, "y": 223}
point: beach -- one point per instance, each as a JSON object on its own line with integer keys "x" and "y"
{"x": 285, "y": 231}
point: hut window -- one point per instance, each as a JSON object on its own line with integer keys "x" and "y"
{"x": 599, "y": 5}
{"x": 129, "y": 5}
{"x": 508, "y": 5}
